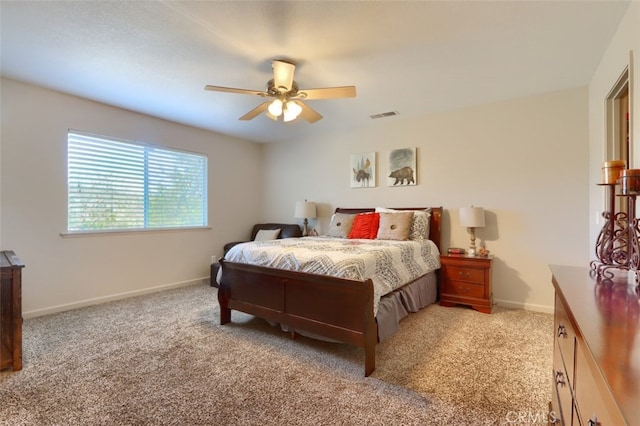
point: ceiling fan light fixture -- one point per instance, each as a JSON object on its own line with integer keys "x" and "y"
{"x": 283, "y": 75}
{"x": 291, "y": 111}
{"x": 275, "y": 108}
{"x": 288, "y": 116}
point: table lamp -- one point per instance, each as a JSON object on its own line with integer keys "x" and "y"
{"x": 307, "y": 210}
{"x": 472, "y": 218}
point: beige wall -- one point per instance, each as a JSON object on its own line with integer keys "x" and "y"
{"x": 66, "y": 272}
{"x": 614, "y": 61}
{"x": 524, "y": 160}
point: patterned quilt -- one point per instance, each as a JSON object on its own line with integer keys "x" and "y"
{"x": 390, "y": 264}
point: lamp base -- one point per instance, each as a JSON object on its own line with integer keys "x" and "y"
{"x": 472, "y": 246}
{"x": 305, "y": 228}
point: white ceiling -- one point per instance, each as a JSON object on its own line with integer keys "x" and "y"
{"x": 413, "y": 57}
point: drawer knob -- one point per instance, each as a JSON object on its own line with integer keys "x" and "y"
{"x": 560, "y": 378}
{"x": 562, "y": 331}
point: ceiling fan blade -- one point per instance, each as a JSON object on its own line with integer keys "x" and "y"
{"x": 308, "y": 113}
{"x": 256, "y": 111}
{"x": 283, "y": 75}
{"x": 233, "y": 90}
{"x": 328, "y": 93}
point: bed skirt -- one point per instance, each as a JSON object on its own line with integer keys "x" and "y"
{"x": 399, "y": 303}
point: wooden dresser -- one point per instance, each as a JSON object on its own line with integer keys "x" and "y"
{"x": 10, "y": 311}
{"x": 596, "y": 359}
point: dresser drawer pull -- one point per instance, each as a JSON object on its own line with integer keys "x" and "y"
{"x": 463, "y": 289}
{"x": 560, "y": 378}
{"x": 464, "y": 274}
{"x": 562, "y": 331}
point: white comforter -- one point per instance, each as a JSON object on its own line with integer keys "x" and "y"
{"x": 389, "y": 264}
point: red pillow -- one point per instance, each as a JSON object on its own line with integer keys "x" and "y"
{"x": 365, "y": 226}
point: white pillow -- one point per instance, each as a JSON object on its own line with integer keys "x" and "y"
{"x": 340, "y": 225}
{"x": 267, "y": 234}
{"x": 395, "y": 226}
{"x": 420, "y": 225}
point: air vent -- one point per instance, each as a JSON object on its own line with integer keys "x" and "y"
{"x": 384, "y": 114}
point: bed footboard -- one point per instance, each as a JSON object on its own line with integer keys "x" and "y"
{"x": 331, "y": 307}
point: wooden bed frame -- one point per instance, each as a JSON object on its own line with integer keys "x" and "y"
{"x": 331, "y": 307}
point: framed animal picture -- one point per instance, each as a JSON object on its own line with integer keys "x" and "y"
{"x": 402, "y": 167}
{"x": 363, "y": 170}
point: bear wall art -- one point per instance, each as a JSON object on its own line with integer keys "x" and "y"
{"x": 402, "y": 167}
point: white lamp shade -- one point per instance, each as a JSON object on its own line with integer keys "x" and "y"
{"x": 305, "y": 209}
{"x": 291, "y": 111}
{"x": 289, "y": 116}
{"x": 472, "y": 217}
{"x": 275, "y": 108}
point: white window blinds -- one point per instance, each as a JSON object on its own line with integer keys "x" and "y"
{"x": 121, "y": 185}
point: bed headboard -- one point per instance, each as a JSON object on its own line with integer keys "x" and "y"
{"x": 435, "y": 224}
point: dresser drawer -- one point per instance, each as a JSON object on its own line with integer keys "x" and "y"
{"x": 565, "y": 337}
{"x": 562, "y": 398}
{"x": 464, "y": 289}
{"x": 471, "y": 275}
{"x": 593, "y": 398}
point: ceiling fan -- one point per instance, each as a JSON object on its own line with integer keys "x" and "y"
{"x": 286, "y": 96}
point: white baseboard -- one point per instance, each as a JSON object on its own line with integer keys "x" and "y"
{"x": 205, "y": 280}
{"x": 526, "y": 306}
{"x": 110, "y": 298}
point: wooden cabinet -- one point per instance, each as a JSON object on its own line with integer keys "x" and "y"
{"x": 466, "y": 280}
{"x": 10, "y": 311}
{"x": 596, "y": 359}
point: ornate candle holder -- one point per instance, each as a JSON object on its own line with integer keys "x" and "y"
{"x": 617, "y": 245}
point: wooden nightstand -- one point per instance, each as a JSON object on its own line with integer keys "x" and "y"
{"x": 466, "y": 280}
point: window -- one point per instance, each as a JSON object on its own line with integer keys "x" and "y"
{"x": 122, "y": 185}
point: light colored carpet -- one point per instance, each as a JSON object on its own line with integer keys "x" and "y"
{"x": 163, "y": 359}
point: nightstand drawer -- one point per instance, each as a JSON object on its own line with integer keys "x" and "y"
{"x": 470, "y": 275}
{"x": 464, "y": 289}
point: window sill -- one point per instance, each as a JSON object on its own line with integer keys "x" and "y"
{"x": 107, "y": 232}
